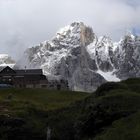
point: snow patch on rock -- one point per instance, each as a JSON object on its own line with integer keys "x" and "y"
{"x": 109, "y": 76}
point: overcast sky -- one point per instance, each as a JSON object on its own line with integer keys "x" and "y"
{"x": 24, "y": 23}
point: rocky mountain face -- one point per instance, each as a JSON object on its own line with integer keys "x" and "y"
{"x": 76, "y": 54}
{"x": 128, "y": 55}
{"x": 6, "y": 60}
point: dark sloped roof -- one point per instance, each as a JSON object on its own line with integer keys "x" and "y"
{"x": 24, "y": 71}
{"x": 29, "y": 72}
{"x": 2, "y": 67}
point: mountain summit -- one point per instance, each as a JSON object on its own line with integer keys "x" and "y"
{"x": 76, "y": 54}
{"x": 6, "y": 60}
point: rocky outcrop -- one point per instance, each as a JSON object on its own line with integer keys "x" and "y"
{"x": 76, "y": 54}
{"x": 128, "y": 58}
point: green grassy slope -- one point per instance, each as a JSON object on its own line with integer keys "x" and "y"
{"x": 94, "y": 117}
{"x": 123, "y": 129}
{"x": 24, "y": 112}
{"x": 42, "y": 98}
{"x": 110, "y": 113}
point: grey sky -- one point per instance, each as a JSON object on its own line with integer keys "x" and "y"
{"x": 24, "y": 23}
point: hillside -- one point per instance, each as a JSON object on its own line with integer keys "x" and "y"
{"x": 108, "y": 114}
{"x": 24, "y": 112}
{"x": 42, "y": 98}
{"x": 112, "y": 112}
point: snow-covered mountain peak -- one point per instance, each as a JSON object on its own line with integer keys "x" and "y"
{"x": 76, "y": 54}
{"x": 2, "y": 56}
{"x": 59, "y": 47}
{"x": 130, "y": 34}
{"x": 105, "y": 39}
{"x": 128, "y": 38}
{"x": 104, "y": 43}
{"x": 72, "y": 30}
{"x": 6, "y": 60}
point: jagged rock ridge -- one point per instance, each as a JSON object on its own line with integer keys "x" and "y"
{"x": 76, "y": 54}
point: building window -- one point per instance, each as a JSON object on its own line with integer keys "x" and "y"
{"x": 10, "y": 80}
{"x": 43, "y": 86}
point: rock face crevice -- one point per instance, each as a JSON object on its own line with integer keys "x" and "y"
{"x": 76, "y": 54}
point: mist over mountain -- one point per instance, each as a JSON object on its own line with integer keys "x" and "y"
{"x": 26, "y": 23}
{"x": 76, "y": 54}
{"x": 6, "y": 60}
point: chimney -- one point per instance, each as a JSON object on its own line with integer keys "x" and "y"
{"x": 25, "y": 68}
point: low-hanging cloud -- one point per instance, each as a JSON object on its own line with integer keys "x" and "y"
{"x": 24, "y": 23}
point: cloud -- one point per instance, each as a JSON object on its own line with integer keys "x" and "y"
{"x": 24, "y": 23}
